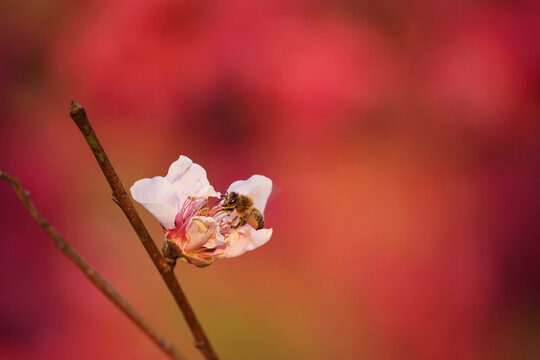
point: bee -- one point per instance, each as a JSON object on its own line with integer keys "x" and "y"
{"x": 246, "y": 212}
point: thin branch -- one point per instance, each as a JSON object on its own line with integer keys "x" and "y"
{"x": 103, "y": 285}
{"x": 78, "y": 114}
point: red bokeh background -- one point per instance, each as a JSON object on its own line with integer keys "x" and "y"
{"x": 402, "y": 138}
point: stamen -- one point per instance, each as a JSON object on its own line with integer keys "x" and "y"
{"x": 191, "y": 208}
{"x": 200, "y": 207}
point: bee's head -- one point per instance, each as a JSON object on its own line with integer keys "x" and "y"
{"x": 230, "y": 201}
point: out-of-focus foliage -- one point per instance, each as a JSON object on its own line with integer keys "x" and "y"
{"x": 402, "y": 138}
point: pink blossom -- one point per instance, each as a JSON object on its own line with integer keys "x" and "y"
{"x": 197, "y": 231}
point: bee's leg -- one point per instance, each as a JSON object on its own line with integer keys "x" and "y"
{"x": 239, "y": 222}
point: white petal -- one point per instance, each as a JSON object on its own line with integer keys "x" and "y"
{"x": 257, "y": 188}
{"x": 202, "y": 231}
{"x": 178, "y": 168}
{"x": 215, "y": 239}
{"x": 260, "y": 238}
{"x": 243, "y": 239}
{"x": 189, "y": 179}
{"x": 239, "y": 239}
{"x": 158, "y": 196}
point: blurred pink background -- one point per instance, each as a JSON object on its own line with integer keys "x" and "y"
{"x": 402, "y": 138}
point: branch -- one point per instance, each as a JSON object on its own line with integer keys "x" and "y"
{"x": 78, "y": 114}
{"x": 103, "y": 285}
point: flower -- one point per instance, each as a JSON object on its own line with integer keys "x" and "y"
{"x": 246, "y": 238}
{"x": 194, "y": 230}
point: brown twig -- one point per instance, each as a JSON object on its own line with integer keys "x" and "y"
{"x": 78, "y": 114}
{"x": 103, "y": 285}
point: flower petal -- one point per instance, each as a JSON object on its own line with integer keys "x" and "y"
{"x": 202, "y": 231}
{"x": 260, "y": 238}
{"x": 257, "y": 188}
{"x": 158, "y": 196}
{"x": 243, "y": 239}
{"x": 189, "y": 179}
{"x": 238, "y": 240}
{"x": 178, "y": 168}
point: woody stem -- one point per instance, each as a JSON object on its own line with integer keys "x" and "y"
{"x": 103, "y": 285}
{"x": 78, "y": 114}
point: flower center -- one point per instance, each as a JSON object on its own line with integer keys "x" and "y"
{"x": 224, "y": 219}
{"x": 199, "y": 207}
{"x": 190, "y": 208}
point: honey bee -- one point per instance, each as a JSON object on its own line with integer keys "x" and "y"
{"x": 246, "y": 212}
